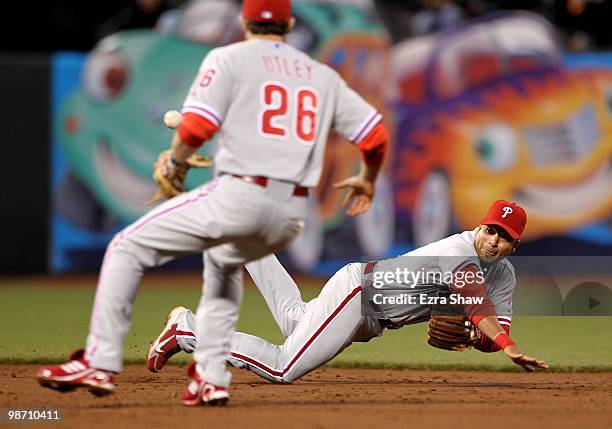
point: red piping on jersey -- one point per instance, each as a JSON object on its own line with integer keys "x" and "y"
{"x": 504, "y": 320}
{"x": 358, "y": 136}
{"x": 195, "y": 129}
{"x": 203, "y": 111}
{"x": 305, "y": 346}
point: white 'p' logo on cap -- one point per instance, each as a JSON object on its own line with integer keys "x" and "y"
{"x": 266, "y": 14}
{"x": 507, "y": 210}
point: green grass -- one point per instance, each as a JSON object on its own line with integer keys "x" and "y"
{"x": 44, "y": 320}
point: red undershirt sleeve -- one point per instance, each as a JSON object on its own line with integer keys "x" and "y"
{"x": 374, "y": 145}
{"x": 195, "y": 129}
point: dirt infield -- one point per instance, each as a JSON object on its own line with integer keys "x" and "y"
{"x": 329, "y": 397}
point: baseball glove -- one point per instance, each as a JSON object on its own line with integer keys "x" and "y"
{"x": 449, "y": 329}
{"x": 170, "y": 175}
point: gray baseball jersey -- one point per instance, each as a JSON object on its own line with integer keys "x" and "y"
{"x": 430, "y": 270}
{"x": 281, "y": 104}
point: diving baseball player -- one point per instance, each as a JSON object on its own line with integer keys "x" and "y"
{"x": 360, "y": 301}
{"x": 272, "y": 106}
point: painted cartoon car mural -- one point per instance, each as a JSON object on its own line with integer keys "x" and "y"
{"x": 489, "y": 112}
{"x": 111, "y": 128}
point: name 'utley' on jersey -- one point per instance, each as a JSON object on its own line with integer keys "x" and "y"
{"x": 295, "y": 100}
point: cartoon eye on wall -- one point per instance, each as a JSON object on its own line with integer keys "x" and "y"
{"x": 105, "y": 75}
{"x": 496, "y": 147}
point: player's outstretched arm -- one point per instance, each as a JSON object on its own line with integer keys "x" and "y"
{"x": 490, "y": 327}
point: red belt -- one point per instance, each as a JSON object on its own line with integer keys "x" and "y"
{"x": 298, "y": 191}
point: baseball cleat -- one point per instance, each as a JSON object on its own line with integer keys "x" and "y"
{"x": 166, "y": 344}
{"x": 201, "y": 392}
{"x": 76, "y": 373}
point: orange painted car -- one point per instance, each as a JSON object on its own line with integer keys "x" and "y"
{"x": 490, "y": 112}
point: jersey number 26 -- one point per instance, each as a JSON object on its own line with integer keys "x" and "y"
{"x": 281, "y": 109}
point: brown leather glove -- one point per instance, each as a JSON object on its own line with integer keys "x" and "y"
{"x": 450, "y": 332}
{"x": 170, "y": 175}
{"x": 448, "y": 327}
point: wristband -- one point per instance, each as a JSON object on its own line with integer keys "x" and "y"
{"x": 503, "y": 340}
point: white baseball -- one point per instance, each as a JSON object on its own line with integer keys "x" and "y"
{"x": 172, "y": 119}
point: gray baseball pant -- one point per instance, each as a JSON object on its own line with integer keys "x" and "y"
{"x": 232, "y": 222}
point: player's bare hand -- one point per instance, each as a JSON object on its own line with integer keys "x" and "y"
{"x": 527, "y": 362}
{"x": 360, "y": 195}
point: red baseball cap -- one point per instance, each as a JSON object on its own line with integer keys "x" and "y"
{"x": 508, "y": 215}
{"x": 267, "y": 10}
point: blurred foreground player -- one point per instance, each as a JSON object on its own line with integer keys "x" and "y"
{"x": 273, "y": 107}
